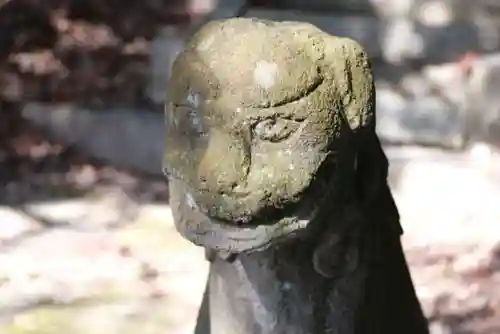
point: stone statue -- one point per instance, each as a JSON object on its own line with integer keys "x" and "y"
{"x": 275, "y": 169}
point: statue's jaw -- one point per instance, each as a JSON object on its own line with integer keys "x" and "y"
{"x": 209, "y": 232}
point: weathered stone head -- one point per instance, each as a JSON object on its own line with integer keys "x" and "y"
{"x": 262, "y": 120}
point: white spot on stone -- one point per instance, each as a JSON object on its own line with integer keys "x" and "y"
{"x": 265, "y": 74}
{"x": 206, "y": 44}
{"x": 190, "y": 201}
{"x": 291, "y": 167}
{"x": 287, "y": 286}
{"x": 195, "y": 120}
{"x": 262, "y": 128}
{"x": 194, "y": 99}
{"x": 238, "y": 110}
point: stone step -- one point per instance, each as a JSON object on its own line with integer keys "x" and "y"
{"x": 484, "y": 99}
{"x": 424, "y": 120}
{"x": 127, "y": 138}
{"x": 395, "y": 38}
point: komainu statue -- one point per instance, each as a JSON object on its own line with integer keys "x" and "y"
{"x": 275, "y": 168}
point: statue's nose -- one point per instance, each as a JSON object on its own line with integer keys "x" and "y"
{"x": 225, "y": 164}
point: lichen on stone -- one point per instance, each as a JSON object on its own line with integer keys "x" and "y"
{"x": 263, "y": 88}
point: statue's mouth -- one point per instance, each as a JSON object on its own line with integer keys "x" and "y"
{"x": 266, "y": 227}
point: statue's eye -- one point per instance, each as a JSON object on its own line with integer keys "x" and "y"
{"x": 275, "y": 129}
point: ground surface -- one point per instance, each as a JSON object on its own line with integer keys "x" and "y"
{"x": 108, "y": 260}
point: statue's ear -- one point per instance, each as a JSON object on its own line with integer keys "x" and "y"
{"x": 354, "y": 82}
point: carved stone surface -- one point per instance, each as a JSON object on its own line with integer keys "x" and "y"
{"x": 275, "y": 168}
{"x": 256, "y": 140}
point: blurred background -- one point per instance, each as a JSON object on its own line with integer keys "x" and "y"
{"x": 87, "y": 244}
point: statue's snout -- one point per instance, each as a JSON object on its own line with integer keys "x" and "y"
{"x": 225, "y": 164}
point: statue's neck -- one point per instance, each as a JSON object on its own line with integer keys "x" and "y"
{"x": 277, "y": 291}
